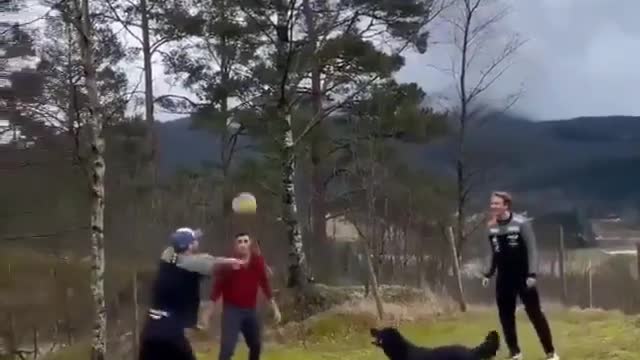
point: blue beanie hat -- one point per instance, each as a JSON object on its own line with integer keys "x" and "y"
{"x": 182, "y": 238}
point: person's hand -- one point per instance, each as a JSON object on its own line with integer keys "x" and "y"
{"x": 531, "y": 282}
{"x": 239, "y": 263}
{"x": 485, "y": 281}
{"x": 205, "y": 316}
{"x": 233, "y": 262}
{"x": 277, "y": 316}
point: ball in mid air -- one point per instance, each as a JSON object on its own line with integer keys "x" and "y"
{"x": 244, "y": 203}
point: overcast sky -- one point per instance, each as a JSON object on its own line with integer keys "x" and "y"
{"x": 580, "y": 58}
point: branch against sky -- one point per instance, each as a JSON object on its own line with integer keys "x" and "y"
{"x": 481, "y": 53}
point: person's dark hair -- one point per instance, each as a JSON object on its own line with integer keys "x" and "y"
{"x": 255, "y": 247}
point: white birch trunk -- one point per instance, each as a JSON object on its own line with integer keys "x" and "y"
{"x": 95, "y": 172}
{"x": 297, "y": 259}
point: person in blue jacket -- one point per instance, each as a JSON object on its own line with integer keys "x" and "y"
{"x": 175, "y": 297}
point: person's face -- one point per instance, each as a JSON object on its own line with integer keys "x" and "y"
{"x": 243, "y": 245}
{"x": 497, "y": 207}
{"x": 195, "y": 245}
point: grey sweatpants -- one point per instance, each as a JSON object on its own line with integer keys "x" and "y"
{"x": 235, "y": 321}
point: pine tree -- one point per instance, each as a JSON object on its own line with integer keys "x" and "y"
{"x": 216, "y": 65}
{"x": 340, "y": 57}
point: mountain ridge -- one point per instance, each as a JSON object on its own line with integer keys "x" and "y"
{"x": 587, "y": 158}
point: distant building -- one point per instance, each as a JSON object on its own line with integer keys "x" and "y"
{"x": 614, "y": 235}
{"x": 339, "y": 229}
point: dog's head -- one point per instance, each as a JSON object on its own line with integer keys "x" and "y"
{"x": 387, "y": 338}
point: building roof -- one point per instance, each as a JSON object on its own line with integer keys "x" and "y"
{"x": 614, "y": 229}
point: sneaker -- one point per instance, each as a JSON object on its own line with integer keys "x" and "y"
{"x": 553, "y": 356}
{"x": 517, "y": 356}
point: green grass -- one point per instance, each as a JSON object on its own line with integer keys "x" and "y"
{"x": 578, "y": 335}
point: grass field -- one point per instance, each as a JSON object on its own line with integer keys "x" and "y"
{"x": 580, "y": 335}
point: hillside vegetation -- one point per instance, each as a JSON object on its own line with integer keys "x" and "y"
{"x": 592, "y": 158}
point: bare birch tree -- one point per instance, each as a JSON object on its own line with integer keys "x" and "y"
{"x": 285, "y": 48}
{"x": 481, "y": 56}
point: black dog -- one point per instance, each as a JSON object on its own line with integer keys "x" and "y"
{"x": 396, "y": 347}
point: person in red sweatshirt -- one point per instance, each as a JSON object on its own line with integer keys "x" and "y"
{"x": 238, "y": 288}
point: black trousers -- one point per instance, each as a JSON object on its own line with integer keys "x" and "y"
{"x": 165, "y": 349}
{"x": 164, "y": 339}
{"x": 507, "y": 292}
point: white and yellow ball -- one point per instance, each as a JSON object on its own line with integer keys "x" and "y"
{"x": 244, "y": 203}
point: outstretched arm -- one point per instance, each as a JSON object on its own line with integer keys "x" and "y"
{"x": 204, "y": 263}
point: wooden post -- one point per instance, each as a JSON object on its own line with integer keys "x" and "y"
{"x": 36, "y": 349}
{"x": 11, "y": 341}
{"x": 561, "y": 260}
{"x": 67, "y": 315}
{"x": 638, "y": 258}
{"x": 456, "y": 270}
{"x": 136, "y": 320}
{"x": 590, "y": 283}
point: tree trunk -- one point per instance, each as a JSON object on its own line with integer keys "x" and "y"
{"x": 318, "y": 191}
{"x": 461, "y": 173}
{"x": 136, "y": 315}
{"x": 371, "y": 222}
{"x": 297, "y": 258}
{"x": 96, "y": 171}
{"x": 405, "y": 255}
{"x": 456, "y": 272}
{"x": 420, "y": 265}
{"x": 372, "y": 278}
{"x": 297, "y": 274}
{"x": 227, "y": 141}
{"x": 563, "y": 271}
{"x": 225, "y": 160}
{"x": 150, "y": 147}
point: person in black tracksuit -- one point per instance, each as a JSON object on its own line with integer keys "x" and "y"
{"x": 514, "y": 257}
{"x": 175, "y": 298}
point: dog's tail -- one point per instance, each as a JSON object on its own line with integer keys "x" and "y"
{"x": 489, "y": 348}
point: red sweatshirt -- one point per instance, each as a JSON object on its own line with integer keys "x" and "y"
{"x": 240, "y": 287}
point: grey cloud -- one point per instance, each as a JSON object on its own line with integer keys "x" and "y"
{"x": 580, "y": 59}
